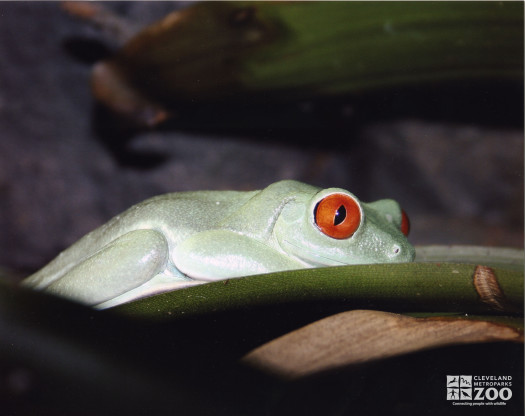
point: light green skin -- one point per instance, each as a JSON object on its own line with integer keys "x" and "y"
{"x": 182, "y": 239}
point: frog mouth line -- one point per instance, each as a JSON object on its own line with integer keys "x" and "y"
{"x": 330, "y": 260}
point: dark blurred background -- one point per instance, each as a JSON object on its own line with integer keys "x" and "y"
{"x": 451, "y": 154}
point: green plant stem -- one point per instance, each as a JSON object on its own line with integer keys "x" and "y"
{"x": 408, "y": 287}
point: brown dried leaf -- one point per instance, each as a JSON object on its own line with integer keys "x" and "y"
{"x": 364, "y": 335}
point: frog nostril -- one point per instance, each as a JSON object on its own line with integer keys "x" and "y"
{"x": 396, "y": 250}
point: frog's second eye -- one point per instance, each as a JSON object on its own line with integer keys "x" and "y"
{"x": 405, "y": 223}
{"x": 337, "y": 216}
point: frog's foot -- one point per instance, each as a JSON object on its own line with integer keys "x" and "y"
{"x": 159, "y": 284}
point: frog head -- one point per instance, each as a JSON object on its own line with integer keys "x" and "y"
{"x": 333, "y": 227}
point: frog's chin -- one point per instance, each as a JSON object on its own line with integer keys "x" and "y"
{"x": 316, "y": 259}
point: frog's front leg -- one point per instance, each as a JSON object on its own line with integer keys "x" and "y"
{"x": 122, "y": 265}
{"x": 222, "y": 254}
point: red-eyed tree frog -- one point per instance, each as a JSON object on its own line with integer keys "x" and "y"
{"x": 182, "y": 239}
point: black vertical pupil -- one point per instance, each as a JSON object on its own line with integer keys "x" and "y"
{"x": 340, "y": 215}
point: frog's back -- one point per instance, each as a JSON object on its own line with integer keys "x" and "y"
{"x": 180, "y": 214}
{"x": 175, "y": 215}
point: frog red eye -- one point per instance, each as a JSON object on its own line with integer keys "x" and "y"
{"x": 405, "y": 223}
{"x": 337, "y": 216}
